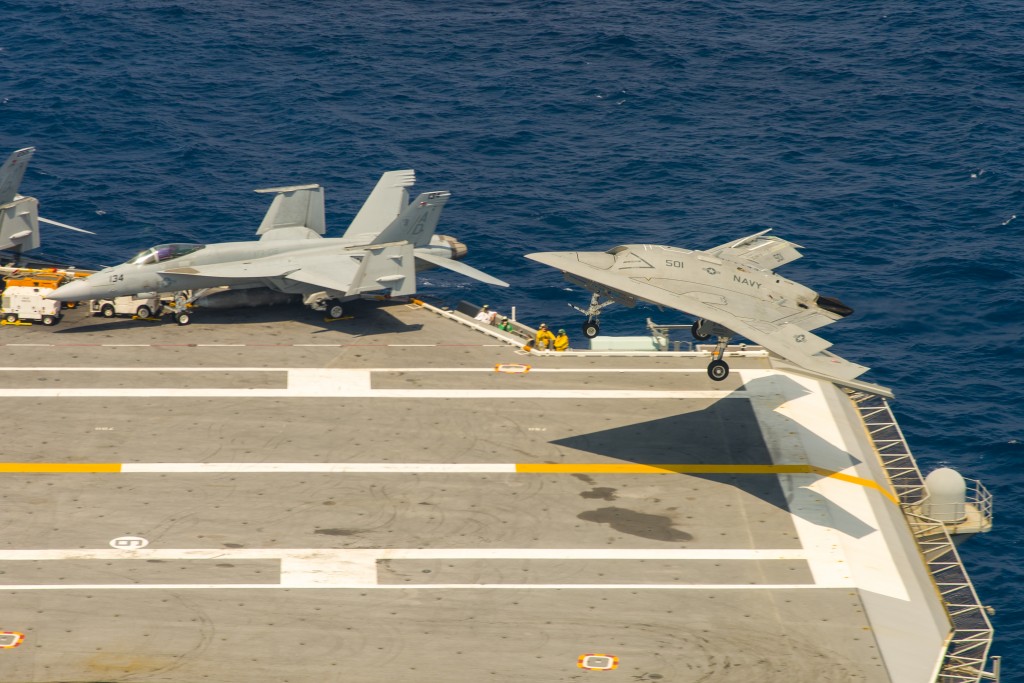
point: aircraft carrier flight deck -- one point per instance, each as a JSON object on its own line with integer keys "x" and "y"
{"x": 264, "y": 497}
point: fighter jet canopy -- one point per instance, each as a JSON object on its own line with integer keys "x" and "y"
{"x": 162, "y": 252}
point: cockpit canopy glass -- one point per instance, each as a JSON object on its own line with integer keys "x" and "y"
{"x": 163, "y": 252}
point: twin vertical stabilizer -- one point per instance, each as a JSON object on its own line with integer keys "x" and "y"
{"x": 19, "y": 216}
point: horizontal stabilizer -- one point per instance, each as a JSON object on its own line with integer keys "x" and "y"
{"x": 392, "y": 267}
{"x": 460, "y": 268}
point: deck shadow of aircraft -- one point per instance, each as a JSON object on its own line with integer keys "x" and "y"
{"x": 719, "y": 434}
{"x": 362, "y": 318}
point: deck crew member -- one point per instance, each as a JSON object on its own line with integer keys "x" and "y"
{"x": 561, "y": 341}
{"x": 505, "y": 325}
{"x": 544, "y": 337}
{"x": 486, "y": 315}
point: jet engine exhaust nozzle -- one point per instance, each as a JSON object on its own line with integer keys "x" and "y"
{"x": 834, "y": 306}
{"x": 459, "y": 249}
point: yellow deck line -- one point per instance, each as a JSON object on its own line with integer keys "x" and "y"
{"x": 59, "y": 468}
{"x": 589, "y": 468}
{"x": 528, "y": 468}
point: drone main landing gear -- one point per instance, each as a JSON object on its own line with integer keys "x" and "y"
{"x": 592, "y": 327}
{"x": 702, "y": 330}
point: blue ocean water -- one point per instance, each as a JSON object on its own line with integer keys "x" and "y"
{"x": 885, "y": 137}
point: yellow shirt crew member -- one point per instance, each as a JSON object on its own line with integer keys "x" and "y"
{"x": 544, "y": 337}
{"x": 561, "y": 341}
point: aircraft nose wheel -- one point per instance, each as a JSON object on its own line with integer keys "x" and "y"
{"x": 183, "y": 318}
{"x": 718, "y": 370}
{"x": 591, "y": 329}
{"x": 695, "y": 331}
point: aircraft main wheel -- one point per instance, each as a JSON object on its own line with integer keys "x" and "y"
{"x": 591, "y": 329}
{"x": 184, "y": 319}
{"x": 11, "y": 317}
{"x": 695, "y": 331}
{"x": 334, "y": 309}
{"x": 718, "y": 370}
{"x": 49, "y": 320}
{"x": 107, "y": 311}
{"x": 143, "y": 312}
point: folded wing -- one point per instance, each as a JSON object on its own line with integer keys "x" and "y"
{"x": 762, "y": 251}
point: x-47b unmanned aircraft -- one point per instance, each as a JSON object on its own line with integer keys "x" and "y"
{"x": 731, "y": 290}
{"x": 386, "y": 243}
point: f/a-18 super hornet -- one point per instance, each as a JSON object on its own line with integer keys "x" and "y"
{"x": 731, "y": 289}
{"x": 379, "y": 254}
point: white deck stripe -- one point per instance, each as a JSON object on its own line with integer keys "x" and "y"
{"x": 421, "y": 586}
{"x": 338, "y": 383}
{"x": 374, "y": 554}
{"x": 354, "y": 392}
{"x": 357, "y": 568}
{"x": 235, "y": 368}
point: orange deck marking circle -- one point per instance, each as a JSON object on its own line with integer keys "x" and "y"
{"x": 9, "y": 639}
{"x": 512, "y": 368}
{"x": 598, "y": 662}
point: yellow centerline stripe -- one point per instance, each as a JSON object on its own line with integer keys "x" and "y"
{"x": 528, "y": 468}
{"x": 590, "y": 468}
{"x": 59, "y": 468}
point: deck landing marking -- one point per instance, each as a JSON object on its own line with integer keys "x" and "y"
{"x": 357, "y": 567}
{"x": 596, "y": 662}
{"x": 129, "y": 542}
{"x": 436, "y": 468}
{"x": 9, "y": 639}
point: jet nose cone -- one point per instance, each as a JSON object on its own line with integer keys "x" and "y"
{"x": 76, "y": 290}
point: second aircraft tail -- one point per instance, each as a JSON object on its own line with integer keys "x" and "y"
{"x": 417, "y": 222}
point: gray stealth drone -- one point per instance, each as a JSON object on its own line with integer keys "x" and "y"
{"x": 731, "y": 290}
{"x": 386, "y": 243}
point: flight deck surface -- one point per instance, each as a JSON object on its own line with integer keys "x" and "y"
{"x": 263, "y": 497}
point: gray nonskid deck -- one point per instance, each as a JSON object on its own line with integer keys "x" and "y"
{"x": 291, "y": 537}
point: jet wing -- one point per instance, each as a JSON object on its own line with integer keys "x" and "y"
{"x": 798, "y": 346}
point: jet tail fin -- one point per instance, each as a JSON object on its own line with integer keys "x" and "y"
{"x": 417, "y": 222}
{"x": 12, "y": 172}
{"x": 297, "y": 212}
{"x": 19, "y": 216}
{"x": 384, "y": 204}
